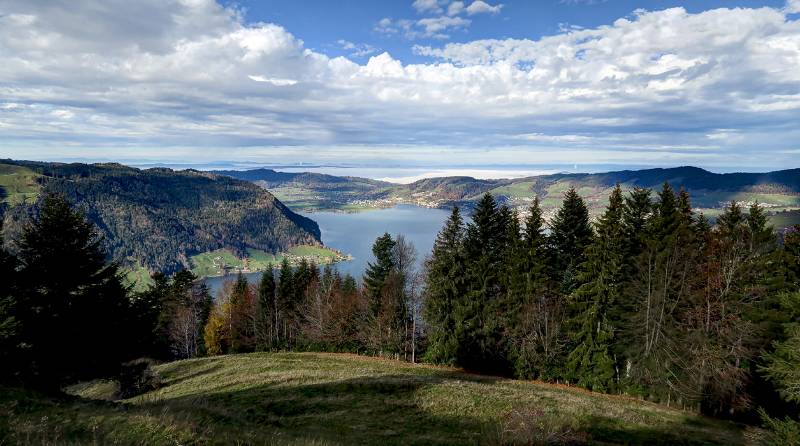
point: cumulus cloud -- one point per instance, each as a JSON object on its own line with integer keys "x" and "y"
{"x": 455, "y": 8}
{"x": 436, "y": 26}
{"x": 427, "y": 6}
{"x": 357, "y": 49}
{"x": 481, "y": 7}
{"x": 428, "y": 27}
{"x": 792, "y": 6}
{"x": 187, "y": 78}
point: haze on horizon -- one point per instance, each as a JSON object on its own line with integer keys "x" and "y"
{"x": 425, "y": 84}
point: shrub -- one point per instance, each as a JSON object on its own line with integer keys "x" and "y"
{"x": 137, "y": 377}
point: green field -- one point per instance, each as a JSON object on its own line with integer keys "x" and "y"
{"x": 785, "y": 219}
{"x": 336, "y": 399}
{"x": 216, "y": 263}
{"x": 18, "y": 184}
{"x": 138, "y": 277}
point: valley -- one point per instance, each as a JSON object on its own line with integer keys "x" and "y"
{"x": 778, "y": 192}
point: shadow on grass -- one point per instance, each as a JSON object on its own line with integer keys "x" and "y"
{"x": 184, "y": 371}
{"x": 387, "y": 410}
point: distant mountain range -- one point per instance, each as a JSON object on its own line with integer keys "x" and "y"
{"x": 158, "y": 218}
{"x": 778, "y": 191}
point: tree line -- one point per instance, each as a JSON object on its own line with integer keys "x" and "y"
{"x": 649, "y": 300}
{"x": 305, "y": 308}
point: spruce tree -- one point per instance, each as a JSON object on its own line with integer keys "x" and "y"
{"x": 591, "y": 363}
{"x": 658, "y": 292}
{"x": 478, "y": 322}
{"x": 266, "y": 317}
{"x": 513, "y": 268}
{"x": 9, "y": 325}
{"x": 536, "y": 333}
{"x": 240, "y": 335}
{"x": 638, "y": 207}
{"x": 284, "y": 302}
{"x": 72, "y": 308}
{"x": 667, "y": 216}
{"x": 378, "y": 271}
{"x": 444, "y": 288}
{"x": 761, "y": 235}
{"x": 571, "y": 234}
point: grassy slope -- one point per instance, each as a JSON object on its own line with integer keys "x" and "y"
{"x": 18, "y": 184}
{"x": 138, "y": 277}
{"x": 295, "y": 398}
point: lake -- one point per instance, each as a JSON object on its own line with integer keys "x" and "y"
{"x": 354, "y": 234}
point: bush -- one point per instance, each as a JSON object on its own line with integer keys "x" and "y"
{"x": 779, "y": 432}
{"x": 137, "y": 377}
{"x": 528, "y": 426}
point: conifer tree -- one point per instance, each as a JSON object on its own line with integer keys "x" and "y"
{"x": 478, "y": 322}
{"x": 571, "y": 234}
{"x": 591, "y": 362}
{"x": 658, "y": 291}
{"x": 783, "y": 361}
{"x": 638, "y": 207}
{"x": 284, "y": 302}
{"x": 377, "y": 272}
{"x": 72, "y": 306}
{"x": 242, "y": 306}
{"x": 761, "y": 235}
{"x": 9, "y": 325}
{"x": 152, "y": 310}
{"x": 266, "y": 318}
{"x": 444, "y": 288}
{"x": 537, "y": 334}
{"x": 786, "y": 275}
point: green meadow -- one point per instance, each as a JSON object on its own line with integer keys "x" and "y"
{"x": 340, "y": 399}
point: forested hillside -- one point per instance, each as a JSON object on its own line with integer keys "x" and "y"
{"x": 158, "y": 218}
{"x": 310, "y": 191}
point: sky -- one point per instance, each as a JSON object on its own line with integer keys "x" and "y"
{"x": 432, "y": 84}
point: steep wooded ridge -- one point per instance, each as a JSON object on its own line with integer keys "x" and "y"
{"x": 159, "y": 217}
{"x": 777, "y": 191}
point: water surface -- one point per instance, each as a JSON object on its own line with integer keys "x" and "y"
{"x": 354, "y": 234}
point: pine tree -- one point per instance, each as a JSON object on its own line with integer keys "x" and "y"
{"x": 266, "y": 310}
{"x": 152, "y": 310}
{"x": 478, "y": 321}
{"x": 377, "y": 272}
{"x": 786, "y": 275}
{"x": 638, "y": 207}
{"x": 73, "y": 308}
{"x": 571, "y": 234}
{"x": 444, "y": 287}
{"x": 761, "y": 235}
{"x": 658, "y": 291}
{"x": 285, "y": 302}
{"x": 9, "y": 326}
{"x": 591, "y": 362}
{"x": 667, "y": 216}
{"x": 537, "y": 335}
{"x": 783, "y": 361}
{"x": 241, "y": 310}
